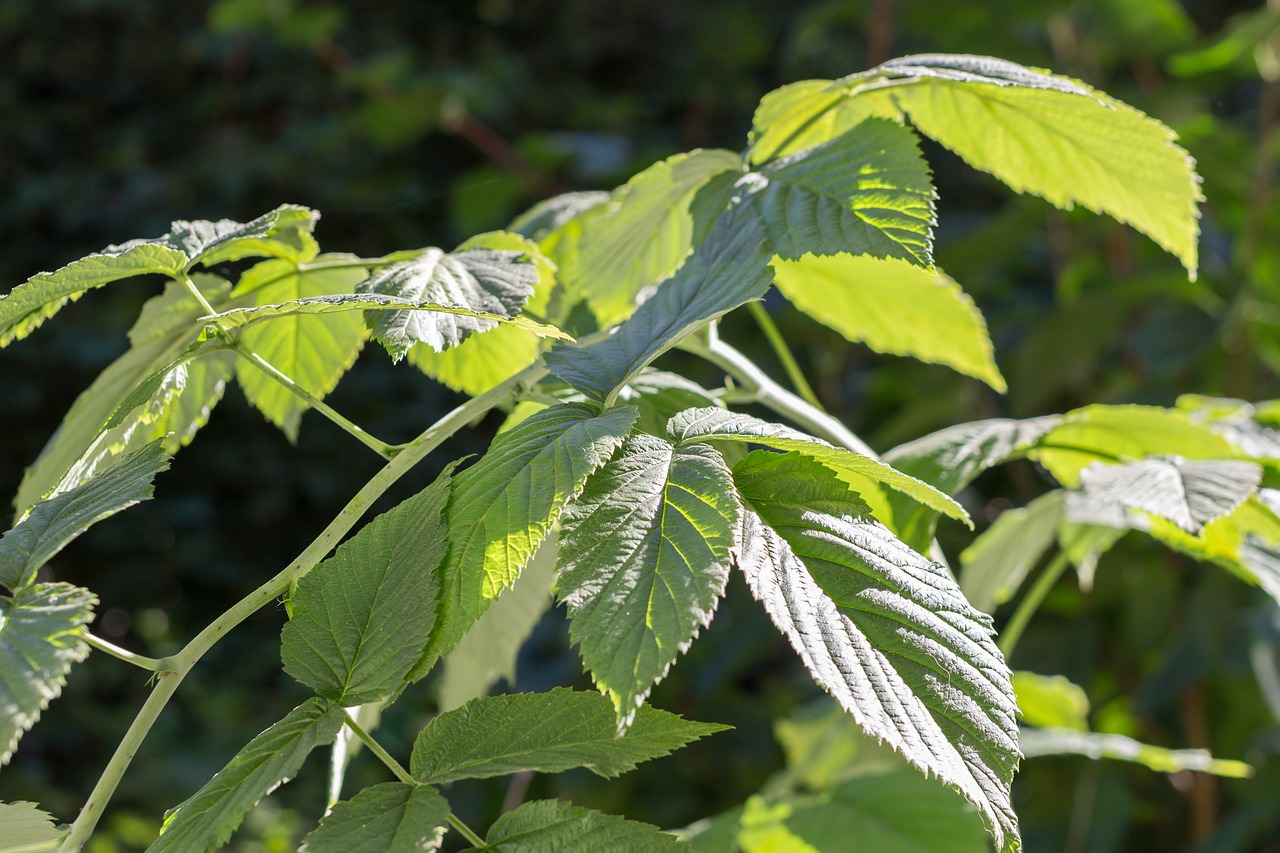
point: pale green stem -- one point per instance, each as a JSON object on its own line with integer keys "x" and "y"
{"x": 175, "y": 668}
{"x": 376, "y": 748}
{"x": 141, "y": 661}
{"x": 466, "y": 832}
{"x": 1031, "y": 602}
{"x": 774, "y": 335}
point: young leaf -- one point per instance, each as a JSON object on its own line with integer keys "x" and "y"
{"x": 644, "y": 558}
{"x": 1038, "y": 742}
{"x": 882, "y": 629}
{"x": 362, "y": 617}
{"x": 729, "y": 269}
{"x": 996, "y": 563}
{"x": 1190, "y": 494}
{"x": 642, "y": 236}
{"x": 314, "y": 352}
{"x": 551, "y": 826}
{"x": 893, "y": 307}
{"x": 502, "y": 507}
{"x": 387, "y": 818}
{"x": 866, "y": 192}
{"x": 715, "y": 424}
{"x": 283, "y": 233}
{"x": 547, "y": 732}
{"x": 53, "y": 523}
{"x": 28, "y": 829}
{"x": 206, "y": 820}
{"x": 479, "y": 280}
{"x": 488, "y": 650}
{"x": 41, "y": 630}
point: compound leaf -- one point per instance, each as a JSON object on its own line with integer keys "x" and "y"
{"x": 551, "y": 826}
{"x": 1190, "y": 494}
{"x": 41, "y": 636}
{"x": 389, "y": 818}
{"x": 206, "y": 820}
{"x": 546, "y": 732}
{"x": 882, "y": 629}
{"x": 362, "y": 617}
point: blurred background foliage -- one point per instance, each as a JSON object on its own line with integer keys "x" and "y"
{"x": 409, "y": 124}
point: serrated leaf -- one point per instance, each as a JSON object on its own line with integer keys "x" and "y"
{"x": 729, "y": 269}
{"x": 206, "y": 820}
{"x": 389, "y": 818}
{"x": 551, "y": 826}
{"x": 715, "y": 424}
{"x": 865, "y": 192}
{"x": 893, "y": 307}
{"x": 166, "y": 326}
{"x": 487, "y": 652}
{"x": 546, "y": 732}
{"x": 660, "y": 396}
{"x": 644, "y": 558}
{"x": 807, "y": 113}
{"x": 494, "y": 283}
{"x": 502, "y": 507}
{"x": 482, "y": 361}
{"x": 996, "y": 563}
{"x": 53, "y": 523}
{"x": 886, "y": 632}
{"x": 1051, "y": 701}
{"x": 1190, "y": 494}
{"x": 283, "y": 233}
{"x": 41, "y": 636}
{"x": 362, "y": 617}
{"x": 643, "y": 235}
{"x": 28, "y": 829}
{"x": 549, "y": 214}
{"x": 1039, "y": 742}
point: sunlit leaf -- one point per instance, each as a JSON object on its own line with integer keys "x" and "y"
{"x": 1051, "y": 701}
{"x": 28, "y": 829}
{"x": 1188, "y": 493}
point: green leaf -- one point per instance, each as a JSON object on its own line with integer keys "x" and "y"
{"x": 1190, "y": 494}
{"x": 206, "y": 820}
{"x": 893, "y": 307}
{"x": 643, "y": 235}
{"x": 865, "y": 192}
{"x": 548, "y": 215}
{"x": 551, "y": 826}
{"x": 24, "y": 308}
{"x": 184, "y": 396}
{"x": 644, "y": 558}
{"x": 482, "y": 361}
{"x": 808, "y": 113}
{"x": 41, "y": 636}
{"x": 996, "y": 563}
{"x": 283, "y": 233}
{"x": 1051, "y": 701}
{"x": 728, "y": 270}
{"x": 28, "y": 829}
{"x": 660, "y": 396}
{"x": 487, "y": 652}
{"x": 546, "y": 732}
{"x": 53, "y": 523}
{"x": 361, "y": 619}
{"x": 502, "y": 507}
{"x": 1040, "y": 742}
{"x": 494, "y": 283}
{"x": 715, "y": 424}
{"x": 387, "y": 818}
{"x": 886, "y": 632}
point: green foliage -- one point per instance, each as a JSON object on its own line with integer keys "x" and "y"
{"x": 27, "y": 828}
{"x": 547, "y": 826}
{"x": 389, "y": 818}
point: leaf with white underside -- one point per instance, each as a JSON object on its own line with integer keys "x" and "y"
{"x": 486, "y": 283}
{"x": 1189, "y": 493}
{"x": 312, "y": 351}
{"x": 865, "y": 192}
{"x": 28, "y": 829}
{"x": 389, "y": 818}
{"x": 546, "y": 732}
{"x": 488, "y": 651}
{"x": 644, "y": 558}
{"x": 362, "y": 617}
{"x": 41, "y": 636}
{"x": 206, "y": 820}
{"x": 552, "y": 826}
{"x": 501, "y": 508}
{"x": 642, "y": 235}
{"x": 893, "y": 307}
{"x": 883, "y": 630}
{"x": 283, "y": 233}
{"x": 54, "y": 522}
{"x": 716, "y": 424}
{"x": 728, "y": 270}
{"x": 996, "y": 563}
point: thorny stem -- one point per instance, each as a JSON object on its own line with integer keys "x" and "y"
{"x": 1031, "y": 603}
{"x": 175, "y": 668}
{"x": 141, "y": 661}
{"x": 783, "y": 352}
